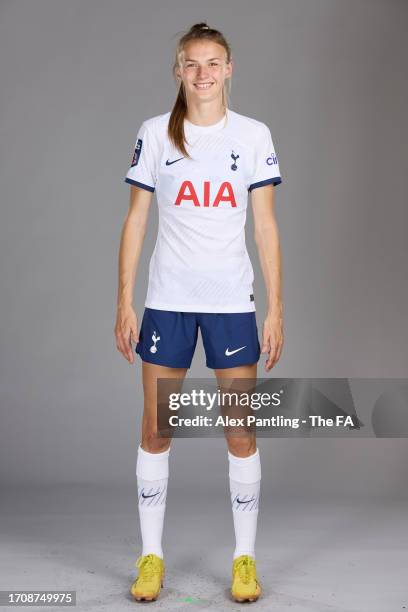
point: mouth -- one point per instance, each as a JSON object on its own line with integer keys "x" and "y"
{"x": 206, "y": 85}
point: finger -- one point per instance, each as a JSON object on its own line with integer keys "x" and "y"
{"x": 124, "y": 338}
{"x": 118, "y": 336}
{"x": 274, "y": 354}
{"x": 122, "y": 345}
{"x": 133, "y": 338}
{"x": 271, "y": 359}
{"x": 279, "y": 351}
{"x": 266, "y": 343}
{"x": 129, "y": 348}
{"x": 134, "y": 335}
{"x": 279, "y": 346}
{"x": 267, "y": 364}
{"x": 129, "y": 354}
{"x": 131, "y": 357}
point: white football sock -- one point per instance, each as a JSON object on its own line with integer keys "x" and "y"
{"x": 152, "y": 471}
{"x": 245, "y": 481}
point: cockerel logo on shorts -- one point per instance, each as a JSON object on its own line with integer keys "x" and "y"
{"x": 153, "y": 348}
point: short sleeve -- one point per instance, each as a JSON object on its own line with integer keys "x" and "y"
{"x": 266, "y": 166}
{"x": 143, "y": 166}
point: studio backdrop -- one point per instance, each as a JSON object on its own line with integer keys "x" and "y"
{"x": 77, "y": 81}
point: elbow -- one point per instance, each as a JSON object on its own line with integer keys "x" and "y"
{"x": 136, "y": 222}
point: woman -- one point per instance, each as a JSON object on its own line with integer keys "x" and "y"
{"x": 202, "y": 159}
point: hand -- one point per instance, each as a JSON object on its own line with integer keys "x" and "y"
{"x": 126, "y": 331}
{"x": 272, "y": 339}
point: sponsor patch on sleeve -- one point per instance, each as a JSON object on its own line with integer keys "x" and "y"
{"x": 272, "y": 159}
{"x": 137, "y": 152}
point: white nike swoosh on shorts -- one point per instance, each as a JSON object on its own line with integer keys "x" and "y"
{"x": 228, "y": 352}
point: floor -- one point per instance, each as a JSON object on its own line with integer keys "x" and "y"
{"x": 315, "y": 555}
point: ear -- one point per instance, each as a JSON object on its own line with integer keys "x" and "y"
{"x": 229, "y": 69}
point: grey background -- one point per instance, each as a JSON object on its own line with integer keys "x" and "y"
{"x": 77, "y": 80}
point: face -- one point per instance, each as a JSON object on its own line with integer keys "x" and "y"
{"x": 203, "y": 70}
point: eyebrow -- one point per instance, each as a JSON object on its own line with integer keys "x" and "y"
{"x": 187, "y": 59}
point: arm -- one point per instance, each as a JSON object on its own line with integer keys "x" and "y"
{"x": 267, "y": 241}
{"x": 133, "y": 233}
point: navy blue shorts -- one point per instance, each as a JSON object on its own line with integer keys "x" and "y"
{"x": 169, "y": 338}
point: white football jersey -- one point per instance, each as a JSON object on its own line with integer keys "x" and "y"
{"x": 200, "y": 262}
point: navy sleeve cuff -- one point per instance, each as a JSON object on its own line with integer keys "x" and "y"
{"x": 137, "y": 184}
{"x": 274, "y": 181}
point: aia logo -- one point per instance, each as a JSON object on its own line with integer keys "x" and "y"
{"x": 188, "y": 193}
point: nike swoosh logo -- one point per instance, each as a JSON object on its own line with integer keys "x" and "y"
{"x": 228, "y": 352}
{"x": 246, "y": 501}
{"x": 168, "y": 163}
{"x": 146, "y": 496}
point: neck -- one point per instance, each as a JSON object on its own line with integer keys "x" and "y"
{"x": 205, "y": 114}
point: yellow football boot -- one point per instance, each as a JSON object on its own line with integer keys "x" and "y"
{"x": 148, "y": 583}
{"x": 245, "y": 586}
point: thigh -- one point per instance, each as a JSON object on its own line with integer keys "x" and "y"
{"x": 230, "y": 339}
{"x": 151, "y": 441}
{"x": 245, "y": 371}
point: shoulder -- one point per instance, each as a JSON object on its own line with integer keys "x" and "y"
{"x": 251, "y": 130}
{"x": 157, "y": 124}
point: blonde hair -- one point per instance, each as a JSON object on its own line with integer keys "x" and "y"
{"x": 199, "y": 31}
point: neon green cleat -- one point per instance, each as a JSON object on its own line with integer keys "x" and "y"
{"x": 245, "y": 586}
{"x": 148, "y": 583}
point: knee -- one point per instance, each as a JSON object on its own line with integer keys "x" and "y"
{"x": 241, "y": 447}
{"x": 151, "y": 443}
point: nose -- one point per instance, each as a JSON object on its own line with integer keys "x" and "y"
{"x": 202, "y": 71}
